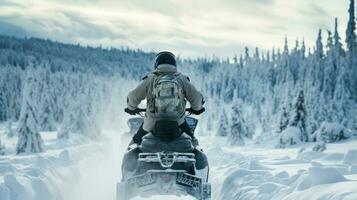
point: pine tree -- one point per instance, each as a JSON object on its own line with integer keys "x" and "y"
{"x": 303, "y": 49}
{"x": 9, "y": 131}
{"x": 46, "y": 119}
{"x": 246, "y": 55}
{"x": 223, "y": 127}
{"x": 238, "y": 129}
{"x": 299, "y": 116}
{"x": 66, "y": 126}
{"x": 351, "y": 27}
{"x": 319, "y": 46}
{"x": 2, "y": 149}
{"x": 3, "y": 106}
{"x": 286, "y": 47}
{"x": 284, "y": 120}
{"x": 241, "y": 61}
{"x": 329, "y": 71}
{"x": 29, "y": 140}
{"x": 342, "y": 97}
{"x": 351, "y": 42}
{"x": 318, "y": 71}
{"x": 338, "y": 50}
{"x": 79, "y": 115}
{"x": 256, "y": 55}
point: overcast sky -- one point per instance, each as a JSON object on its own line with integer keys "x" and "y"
{"x": 187, "y": 27}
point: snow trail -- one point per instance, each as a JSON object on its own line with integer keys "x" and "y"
{"x": 100, "y": 172}
{"x": 247, "y": 172}
{"x": 77, "y": 170}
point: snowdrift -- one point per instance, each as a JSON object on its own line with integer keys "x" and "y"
{"x": 287, "y": 174}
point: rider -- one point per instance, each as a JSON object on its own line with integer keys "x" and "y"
{"x": 165, "y": 63}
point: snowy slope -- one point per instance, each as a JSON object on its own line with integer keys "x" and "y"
{"x": 74, "y": 170}
{"x": 263, "y": 173}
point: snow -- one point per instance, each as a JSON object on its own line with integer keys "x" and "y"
{"x": 253, "y": 172}
{"x": 290, "y": 136}
{"x": 350, "y": 157}
{"x": 331, "y": 132}
{"x": 83, "y": 89}
{"x": 74, "y": 170}
{"x": 318, "y": 176}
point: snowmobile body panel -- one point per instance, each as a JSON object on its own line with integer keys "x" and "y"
{"x": 164, "y": 182}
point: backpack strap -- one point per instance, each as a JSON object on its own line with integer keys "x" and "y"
{"x": 150, "y": 96}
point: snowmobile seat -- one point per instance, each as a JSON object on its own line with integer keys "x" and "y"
{"x": 153, "y": 144}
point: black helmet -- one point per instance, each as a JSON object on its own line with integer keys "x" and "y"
{"x": 165, "y": 57}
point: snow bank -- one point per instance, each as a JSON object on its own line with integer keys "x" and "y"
{"x": 255, "y": 165}
{"x": 331, "y": 132}
{"x": 232, "y": 185}
{"x": 350, "y": 157}
{"x": 48, "y": 175}
{"x": 275, "y": 174}
{"x": 290, "y": 136}
{"x": 318, "y": 176}
{"x": 35, "y": 176}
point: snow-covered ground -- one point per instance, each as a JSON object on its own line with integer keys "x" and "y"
{"x": 76, "y": 170}
{"x": 294, "y": 173}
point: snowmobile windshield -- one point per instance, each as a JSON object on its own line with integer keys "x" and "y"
{"x": 192, "y": 122}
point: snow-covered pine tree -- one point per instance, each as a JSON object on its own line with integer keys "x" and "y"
{"x": 338, "y": 50}
{"x": 299, "y": 116}
{"x": 351, "y": 28}
{"x": 9, "y": 132}
{"x": 319, "y": 62}
{"x": 329, "y": 81}
{"x": 319, "y": 46}
{"x": 284, "y": 65}
{"x": 238, "y": 127}
{"x": 66, "y": 126}
{"x": 342, "y": 97}
{"x": 45, "y": 116}
{"x": 29, "y": 139}
{"x": 3, "y": 107}
{"x": 2, "y": 148}
{"x": 223, "y": 126}
{"x": 81, "y": 108}
{"x": 284, "y": 120}
{"x": 241, "y": 61}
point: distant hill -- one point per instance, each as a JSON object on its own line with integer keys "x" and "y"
{"x": 23, "y": 52}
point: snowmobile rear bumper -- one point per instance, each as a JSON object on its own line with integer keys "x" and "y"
{"x": 164, "y": 182}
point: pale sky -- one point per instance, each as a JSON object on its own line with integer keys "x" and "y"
{"x": 189, "y": 28}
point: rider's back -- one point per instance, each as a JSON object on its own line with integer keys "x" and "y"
{"x": 156, "y": 105}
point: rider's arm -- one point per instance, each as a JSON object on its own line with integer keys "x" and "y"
{"x": 138, "y": 94}
{"x": 192, "y": 94}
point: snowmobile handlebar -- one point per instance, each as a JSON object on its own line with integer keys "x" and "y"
{"x": 139, "y": 110}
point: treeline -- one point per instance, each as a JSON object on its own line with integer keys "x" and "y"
{"x": 296, "y": 87}
{"x": 289, "y": 94}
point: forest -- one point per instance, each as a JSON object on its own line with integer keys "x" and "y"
{"x": 290, "y": 95}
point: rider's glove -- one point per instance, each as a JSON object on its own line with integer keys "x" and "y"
{"x": 132, "y": 145}
{"x": 131, "y": 112}
{"x": 196, "y": 112}
{"x": 137, "y": 139}
{"x": 194, "y": 142}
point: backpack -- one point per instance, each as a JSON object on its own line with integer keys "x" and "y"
{"x": 168, "y": 97}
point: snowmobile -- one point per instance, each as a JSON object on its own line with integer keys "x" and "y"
{"x": 164, "y": 167}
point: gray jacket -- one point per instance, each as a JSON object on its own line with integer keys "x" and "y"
{"x": 144, "y": 89}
